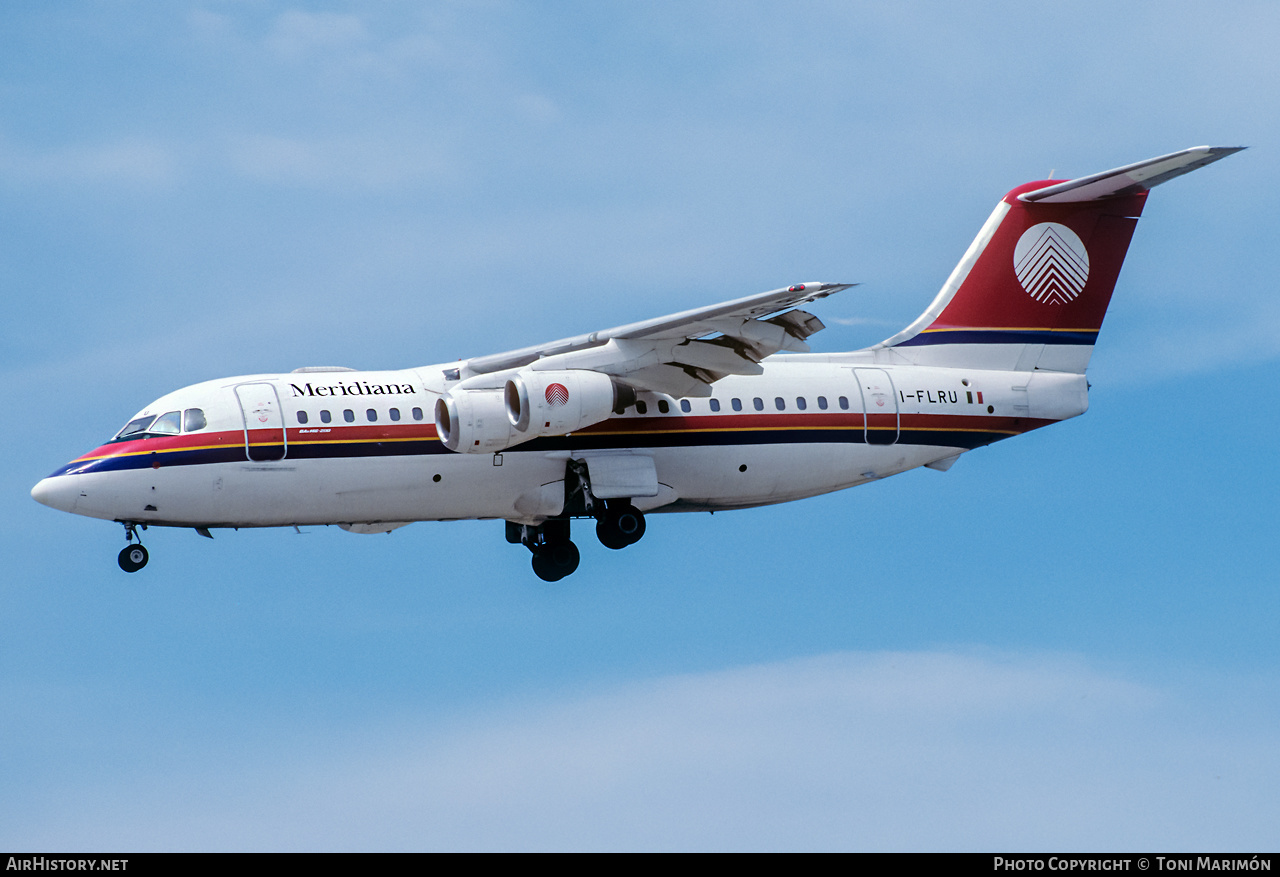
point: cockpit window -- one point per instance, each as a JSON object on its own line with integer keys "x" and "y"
{"x": 135, "y": 428}
{"x": 169, "y": 423}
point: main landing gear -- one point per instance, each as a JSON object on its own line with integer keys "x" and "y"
{"x": 622, "y": 524}
{"x": 132, "y": 557}
{"x": 618, "y": 524}
{"x": 554, "y": 554}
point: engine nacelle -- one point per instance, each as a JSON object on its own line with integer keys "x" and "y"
{"x": 556, "y": 402}
{"x": 475, "y": 422}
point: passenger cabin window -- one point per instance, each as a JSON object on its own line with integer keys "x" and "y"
{"x": 844, "y": 403}
{"x": 715, "y": 404}
{"x": 371, "y": 414}
{"x": 822, "y": 402}
{"x": 394, "y": 413}
{"x": 737, "y": 404}
{"x": 417, "y": 414}
{"x": 800, "y": 403}
{"x": 193, "y": 420}
{"x": 642, "y": 407}
{"x": 685, "y": 406}
{"x": 349, "y": 416}
{"x": 663, "y": 407}
{"x": 325, "y": 416}
{"x": 780, "y": 403}
{"x": 758, "y": 403}
{"x": 302, "y": 417}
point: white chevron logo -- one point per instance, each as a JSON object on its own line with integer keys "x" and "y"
{"x": 1051, "y": 263}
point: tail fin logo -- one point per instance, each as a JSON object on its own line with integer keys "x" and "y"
{"x": 1051, "y": 262}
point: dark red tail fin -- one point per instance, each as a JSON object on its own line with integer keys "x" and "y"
{"x": 1034, "y": 286}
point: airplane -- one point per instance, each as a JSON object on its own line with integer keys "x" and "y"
{"x": 715, "y": 408}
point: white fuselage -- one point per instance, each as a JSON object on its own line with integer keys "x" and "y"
{"x": 360, "y": 448}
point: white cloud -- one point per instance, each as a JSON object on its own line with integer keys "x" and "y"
{"x": 297, "y": 34}
{"x": 857, "y": 321}
{"x": 539, "y": 108}
{"x": 132, "y": 161}
{"x": 209, "y": 24}
{"x": 845, "y": 751}
{"x": 351, "y": 164}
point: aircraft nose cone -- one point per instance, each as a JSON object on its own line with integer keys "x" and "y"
{"x": 57, "y": 493}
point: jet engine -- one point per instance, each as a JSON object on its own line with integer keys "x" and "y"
{"x": 556, "y": 402}
{"x": 474, "y": 422}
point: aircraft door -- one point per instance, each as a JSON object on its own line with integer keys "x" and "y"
{"x": 264, "y": 437}
{"x": 879, "y": 405}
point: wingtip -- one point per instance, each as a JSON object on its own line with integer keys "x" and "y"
{"x": 1216, "y": 152}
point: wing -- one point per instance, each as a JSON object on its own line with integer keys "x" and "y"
{"x": 680, "y": 354}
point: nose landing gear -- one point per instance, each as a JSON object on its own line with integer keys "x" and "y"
{"x": 132, "y": 557}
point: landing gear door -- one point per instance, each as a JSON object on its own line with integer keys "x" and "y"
{"x": 264, "y": 437}
{"x": 879, "y": 404}
{"x": 621, "y": 476}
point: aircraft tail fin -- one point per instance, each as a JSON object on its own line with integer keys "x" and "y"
{"x": 1033, "y": 287}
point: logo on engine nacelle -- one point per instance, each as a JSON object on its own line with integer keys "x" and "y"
{"x": 1051, "y": 262}
{"x": 557, "y": 394}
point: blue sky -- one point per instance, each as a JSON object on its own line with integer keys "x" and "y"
{"x": 1065, "y": 642}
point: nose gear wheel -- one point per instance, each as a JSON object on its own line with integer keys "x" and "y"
{"x": 133, "y": 558}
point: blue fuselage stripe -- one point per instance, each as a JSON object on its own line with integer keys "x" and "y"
{"x": 999, "y": 336}
{"x": 968, "y": 439}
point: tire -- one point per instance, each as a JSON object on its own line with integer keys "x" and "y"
{"x": 620, "y": 527}
{"x": 565, "y": 556}
{"x": 556, "y": 560}
{"x": 543, "y": 568}
{"x": 608, "y": 534}
{"x": 133, "y": 558}
{"x": 631, "y": 524}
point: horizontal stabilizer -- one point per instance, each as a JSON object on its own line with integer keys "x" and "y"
{"x": 1130, "y": 179}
